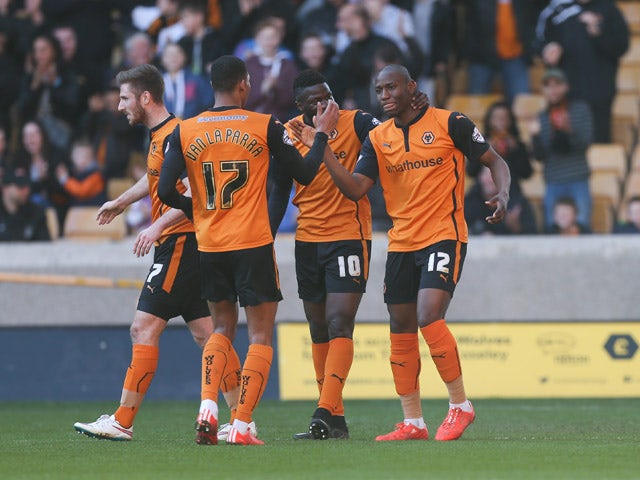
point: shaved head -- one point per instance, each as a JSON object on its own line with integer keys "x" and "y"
{"x": 396, "y": 69}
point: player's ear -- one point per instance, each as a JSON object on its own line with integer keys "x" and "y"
{"x": 412, "y": 86}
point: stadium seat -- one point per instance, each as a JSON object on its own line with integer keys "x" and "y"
{"x": 606, "y": 184}
{"x": 473, "y": 106}
{"x": 632, "y": 56}
{"x": 602, "y": 214}
{"x": 533, "y": 189}
{"x": 625, "y": 114}
{"x": 527, "y": 105}
{"x": 631, "y": 13}
{"x": 81, "y": 224}
{"x": 628, "y": 79}
{"x": 635, "y": 159}
{"x": 116, "y": 186}
{"x": 52, "y": 223}
{"x": 536, "y": 71}
{"x": 631, "y": 189}
{"x": 608, "y": 157}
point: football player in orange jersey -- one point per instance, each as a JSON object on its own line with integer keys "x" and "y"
{"x": 333, "y": 241}
{"x": 418, "y": 155}
{"x": 227, "y": 152}
{"x": 171, "y": 287}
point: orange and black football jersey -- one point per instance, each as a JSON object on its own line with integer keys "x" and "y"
{"x": 421, "y": 170}
{"x": 155, "y": 157}
{"x": 325, "y": 214}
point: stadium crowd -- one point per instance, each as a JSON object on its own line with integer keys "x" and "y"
{"x": 60, "y": 125}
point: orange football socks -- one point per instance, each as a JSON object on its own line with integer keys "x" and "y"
{"x": 230, "y": 385}
{"x": 319, "y": 352}
{"x": 443, "y": 349}
{"x": 144, "y": 361}
{"x": 254, "y": 376}
{"x": 215, "y": 358}
{"x": 405, "y": 362}
{"x": 337, "y": 366}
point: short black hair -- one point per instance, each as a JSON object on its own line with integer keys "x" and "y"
{"x": 307, "y": 78}
{"x": 226, "y": 72}
{"x": 141, "y": 78}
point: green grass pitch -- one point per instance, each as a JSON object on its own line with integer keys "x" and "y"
{"x": 511, "y": 439}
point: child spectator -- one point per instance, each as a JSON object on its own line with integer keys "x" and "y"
{"x": 632, "y": 224}
{"x": 565, "y": 218}
{"x": 87, "y": 185}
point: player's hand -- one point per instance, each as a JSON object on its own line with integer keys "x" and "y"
{"x": 326, "y": 119}
{"x": 302, "y": 132}
{"x": 499, "y": 204}
{"x": 108, "y": 211}
{"x": 419, "y": 100}
{"x": 146, "y": 239}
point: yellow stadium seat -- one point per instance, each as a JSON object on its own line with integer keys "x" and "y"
{"x": 631, "y": 13}
{"x": 628, "y": 79}
{"x": 117, "y": 186}
{"x": 52, "y": 223}
{"x": 632, "y": 56}
{"x": 608, "y": 157}
{"x": 602, "y": 214}
{"x": 81, "y": 224}
{"x": 473, "y": 106}
{"x": 605, "y": 184}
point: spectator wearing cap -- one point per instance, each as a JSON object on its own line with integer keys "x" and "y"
{"x": 21, "y": 220}
{"x": 560, "y": 137}
{"x": 586, "y": 38}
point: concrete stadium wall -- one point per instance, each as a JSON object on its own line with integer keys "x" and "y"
{"x": 538, "y": 278}
{"x": 72, "y": 343}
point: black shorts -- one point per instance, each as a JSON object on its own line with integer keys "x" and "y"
{"x": 436, "y": 266}
{"x": 331, "y": 267}
{"x": 250, "y": 275}
{"x": 172, "y": 287}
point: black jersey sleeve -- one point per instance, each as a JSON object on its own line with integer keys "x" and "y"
{"x": 466, "y": 136}
{"x": 303, "y": 170}
{"x": 367, "y": 163}
{"x": 363, "y": 123}
{"x": 173, "y": 167}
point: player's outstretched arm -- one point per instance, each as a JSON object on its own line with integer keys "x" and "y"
{"x": 111, "y": 209}
{"x": 502, "y": 179}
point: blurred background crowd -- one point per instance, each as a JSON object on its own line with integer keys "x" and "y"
{"x": 554, "y": 86}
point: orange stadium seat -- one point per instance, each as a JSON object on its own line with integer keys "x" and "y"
{"x": 81, "y": 224}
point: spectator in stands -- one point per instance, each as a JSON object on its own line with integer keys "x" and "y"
{"x": 97, "y": 25}
{"x": 21, "y": 220}
{"x": 201, "y": 43}
{"x": 565, "y": 219}
{"x": 185, "y": 93}
{"x": 240, "y": 19}
{"x": 632, "y": 224}
{"x": 315, "y": 54}
{"x": 321, "y": 20}
{"x": 139, "y": 49}
{"x": 501, "y": 131}
{"x": 5, "y": 160}
{"x": 498, "y": 38}
{"x": 48, "y": 92}
{"x": 40, "y": 158}
{"x": 519, "y": 218}
{"x": 28, "y": 19}
{"x": 271, "y": 73}
{"x": 586, "y": 39}
{"x": 9, "y": 75}
{"x": 113, "y": 139}
{"x": 392, "y": 22}
{"x": 87, "y": 78}
{"x": 166, "y": 27}
{"x": 434, "y": 33}
{"x": 355, "y": 66}
{"x": 86, "y": 184}
{"x": 560, "y": 138}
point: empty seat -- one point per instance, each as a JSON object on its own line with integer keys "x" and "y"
{"x": 117, "y": 186}
{"x": 473, "y": 106}
{"x": 81, "y": 224}
{"x": 608, "y": 157}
